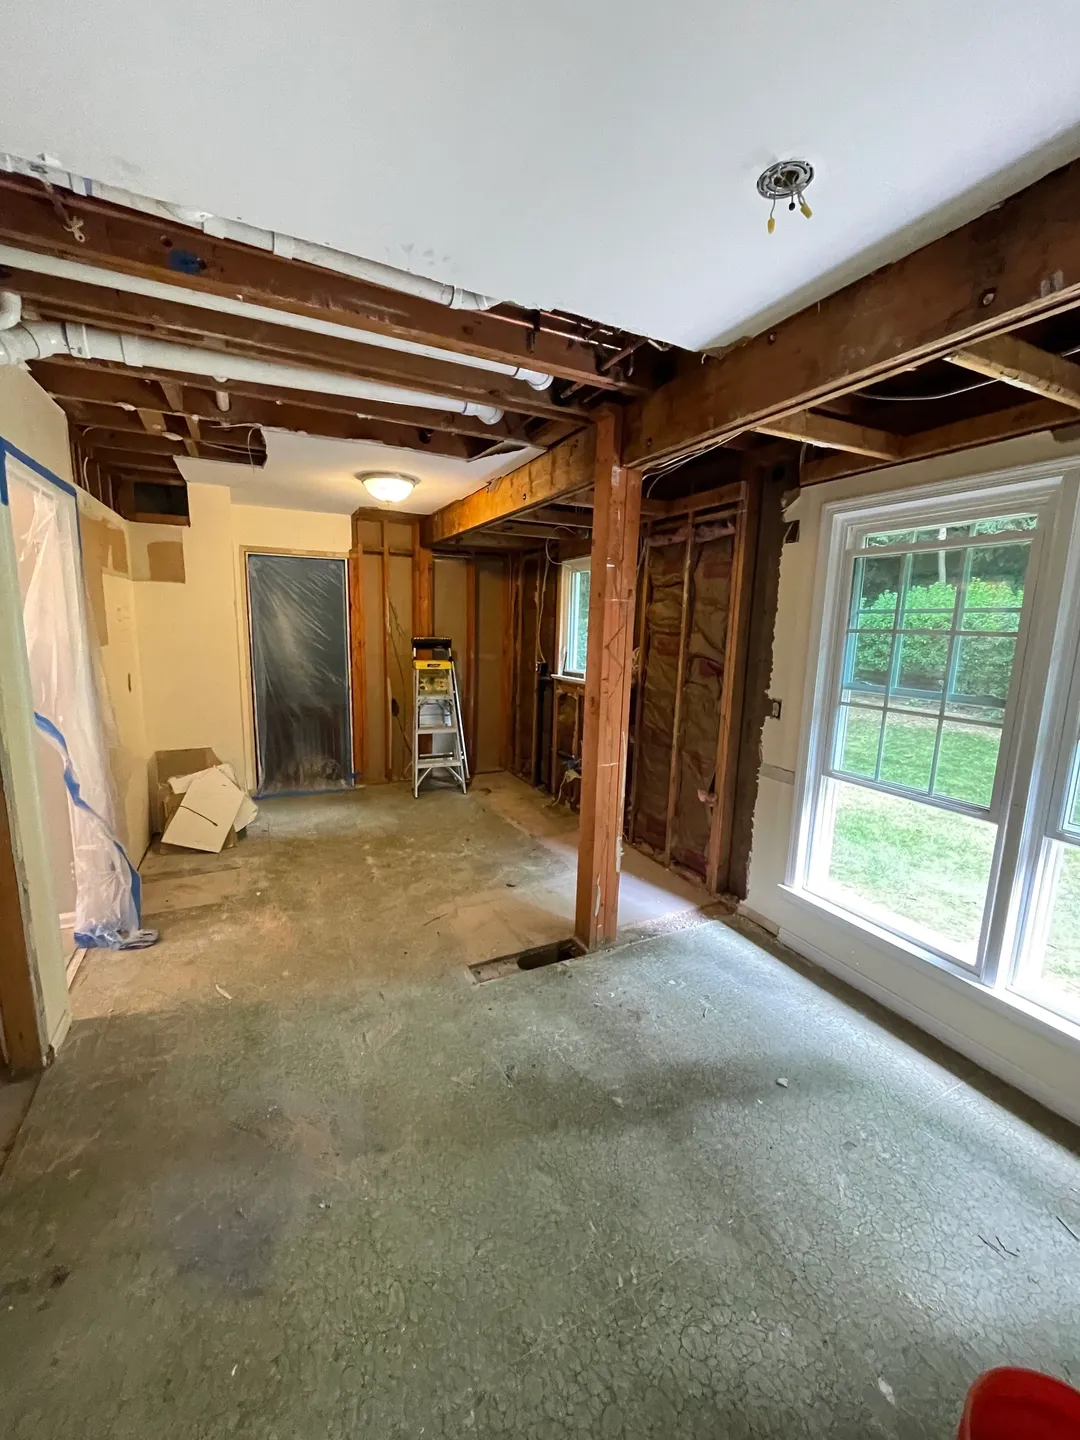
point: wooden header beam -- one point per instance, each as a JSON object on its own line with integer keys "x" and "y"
{"x": 1015, "y": 264}
{"x": 562, "y": 470}
{"x": 166, "y": 250}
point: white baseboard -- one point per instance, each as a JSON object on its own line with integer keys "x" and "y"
{"x": 1058, "y": 1101}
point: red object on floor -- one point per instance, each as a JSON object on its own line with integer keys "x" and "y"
{"x": 1009, "y": 1404}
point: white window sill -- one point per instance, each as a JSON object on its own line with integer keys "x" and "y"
{"x": 1043, "y": 1022}
{"x": 568, "y": 679}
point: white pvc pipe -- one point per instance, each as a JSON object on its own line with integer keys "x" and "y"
{"x": 322, "y": 255}
{"x": 63, "y": 269}
{"x": 40, "y": 339}
{"x": 10, "y": 309}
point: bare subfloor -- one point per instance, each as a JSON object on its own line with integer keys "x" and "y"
{"x": 294, "y": 1175}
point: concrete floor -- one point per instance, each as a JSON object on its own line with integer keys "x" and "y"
{"x": 294, "y": 1175}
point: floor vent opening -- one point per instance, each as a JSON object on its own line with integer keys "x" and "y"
{"x": 553, "y": 953}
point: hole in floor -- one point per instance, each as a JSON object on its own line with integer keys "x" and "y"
{"x": 535, "y": 958}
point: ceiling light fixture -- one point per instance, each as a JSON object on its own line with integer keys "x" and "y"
{"x": 389, "y": 487}
{"x": 786, "y": 180}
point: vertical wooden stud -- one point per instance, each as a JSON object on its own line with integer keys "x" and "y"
{"x": 423, "y": 579}
{"x": 639, "y": 705}
{"x": 676, "y": 717}
{"x": 609, "y": 656}
{"x": 534, "y": 650}
{"x": 388, "y": 642}
{"x": 743, "y": 560}
{"x": 358, "y": 657}
{"x": 471, "y": 675}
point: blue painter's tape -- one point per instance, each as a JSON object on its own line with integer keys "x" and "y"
{"x": 32, "y": 464}
{"x": 95, "y": 937}
{"x": 3, "y": 474}
{"x": 186, "y": 261}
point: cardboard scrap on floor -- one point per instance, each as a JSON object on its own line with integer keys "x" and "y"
{"x": 200, "y": 808}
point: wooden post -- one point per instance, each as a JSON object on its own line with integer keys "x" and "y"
{"x": 743, "y": 560}
{"x": 676, "y": 717}
{"x": 609, "y": 657}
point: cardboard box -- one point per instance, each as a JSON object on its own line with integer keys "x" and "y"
{"x": 164, "y": 764}
{"x": 208, "y": 807}
{"x": 172, "y": 774}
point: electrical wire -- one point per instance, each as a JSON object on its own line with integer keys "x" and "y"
{"x": 948, "y": 394}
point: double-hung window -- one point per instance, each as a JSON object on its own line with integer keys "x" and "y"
{"x": 940, "y": 793}
{"x": 573, "y": 616}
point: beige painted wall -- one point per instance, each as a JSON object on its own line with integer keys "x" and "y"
{"x": 193, "y": 642}
{"x": 1033, "y": 1057}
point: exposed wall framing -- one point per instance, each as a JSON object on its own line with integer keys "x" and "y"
{"x": 400, "y": 588}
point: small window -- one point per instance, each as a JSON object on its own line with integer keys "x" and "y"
{"x": 574, "y": 616}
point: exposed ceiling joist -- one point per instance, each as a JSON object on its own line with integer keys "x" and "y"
{"x": 1018, "y": 420}
{"x": 1014, "y": 361}
{"x": 253, "y": 419}
{"x": 832, "y": 434}
{"x": 222, "y": 333}
{"x": 1013, "y": 265}
{"x": 139, "y": 389}
{"x": 176, "y": 254}
{"x": 562, "y": 470}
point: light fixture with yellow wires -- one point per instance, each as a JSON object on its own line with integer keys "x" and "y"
{"x": 786, "y": 180}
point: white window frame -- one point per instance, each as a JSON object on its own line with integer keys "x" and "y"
{"x": 1031, "y": 732}
{"x": 567, "y": 570}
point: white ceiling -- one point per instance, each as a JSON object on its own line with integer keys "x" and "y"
{"x": 308, "y": 472}
{"x": 596, "y": 157}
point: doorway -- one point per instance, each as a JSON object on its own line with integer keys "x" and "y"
{"x": 298, "y": 607}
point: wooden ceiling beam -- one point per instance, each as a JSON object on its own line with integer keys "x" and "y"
{"x": 152, "y": 421}
{"x": 134, "y": 389}
{"x": 1015, "y": 362}
{"x": 833, "y": 434}
{"x": 1018, "y": 420}
{"x": 258, "y": 417}
{"x": 221, "y": 333}
{"x": 1017, "y": 263}
{"x": 559, "y": 472}
{"x": 176, "y": 254}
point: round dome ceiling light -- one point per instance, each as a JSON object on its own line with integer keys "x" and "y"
{"x": 786, "y": 180}
{"x": 387, "y": 485}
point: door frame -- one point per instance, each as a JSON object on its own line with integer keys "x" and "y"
{"x": 247, "y": 688}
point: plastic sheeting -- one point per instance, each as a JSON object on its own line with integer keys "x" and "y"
{"x": 71, "y": 712}
{"x": 300, "y": 671}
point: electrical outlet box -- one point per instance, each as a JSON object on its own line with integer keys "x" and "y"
{"x": 774, "y": 708}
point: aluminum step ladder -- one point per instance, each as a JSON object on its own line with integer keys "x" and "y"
{"x": 437, "y": 713}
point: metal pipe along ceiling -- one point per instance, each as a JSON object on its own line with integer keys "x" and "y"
{"x": 39, "y": 339}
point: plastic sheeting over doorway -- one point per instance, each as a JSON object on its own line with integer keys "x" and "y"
{"x": 69, "y": 709}
{"x": 300, "y": 672}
